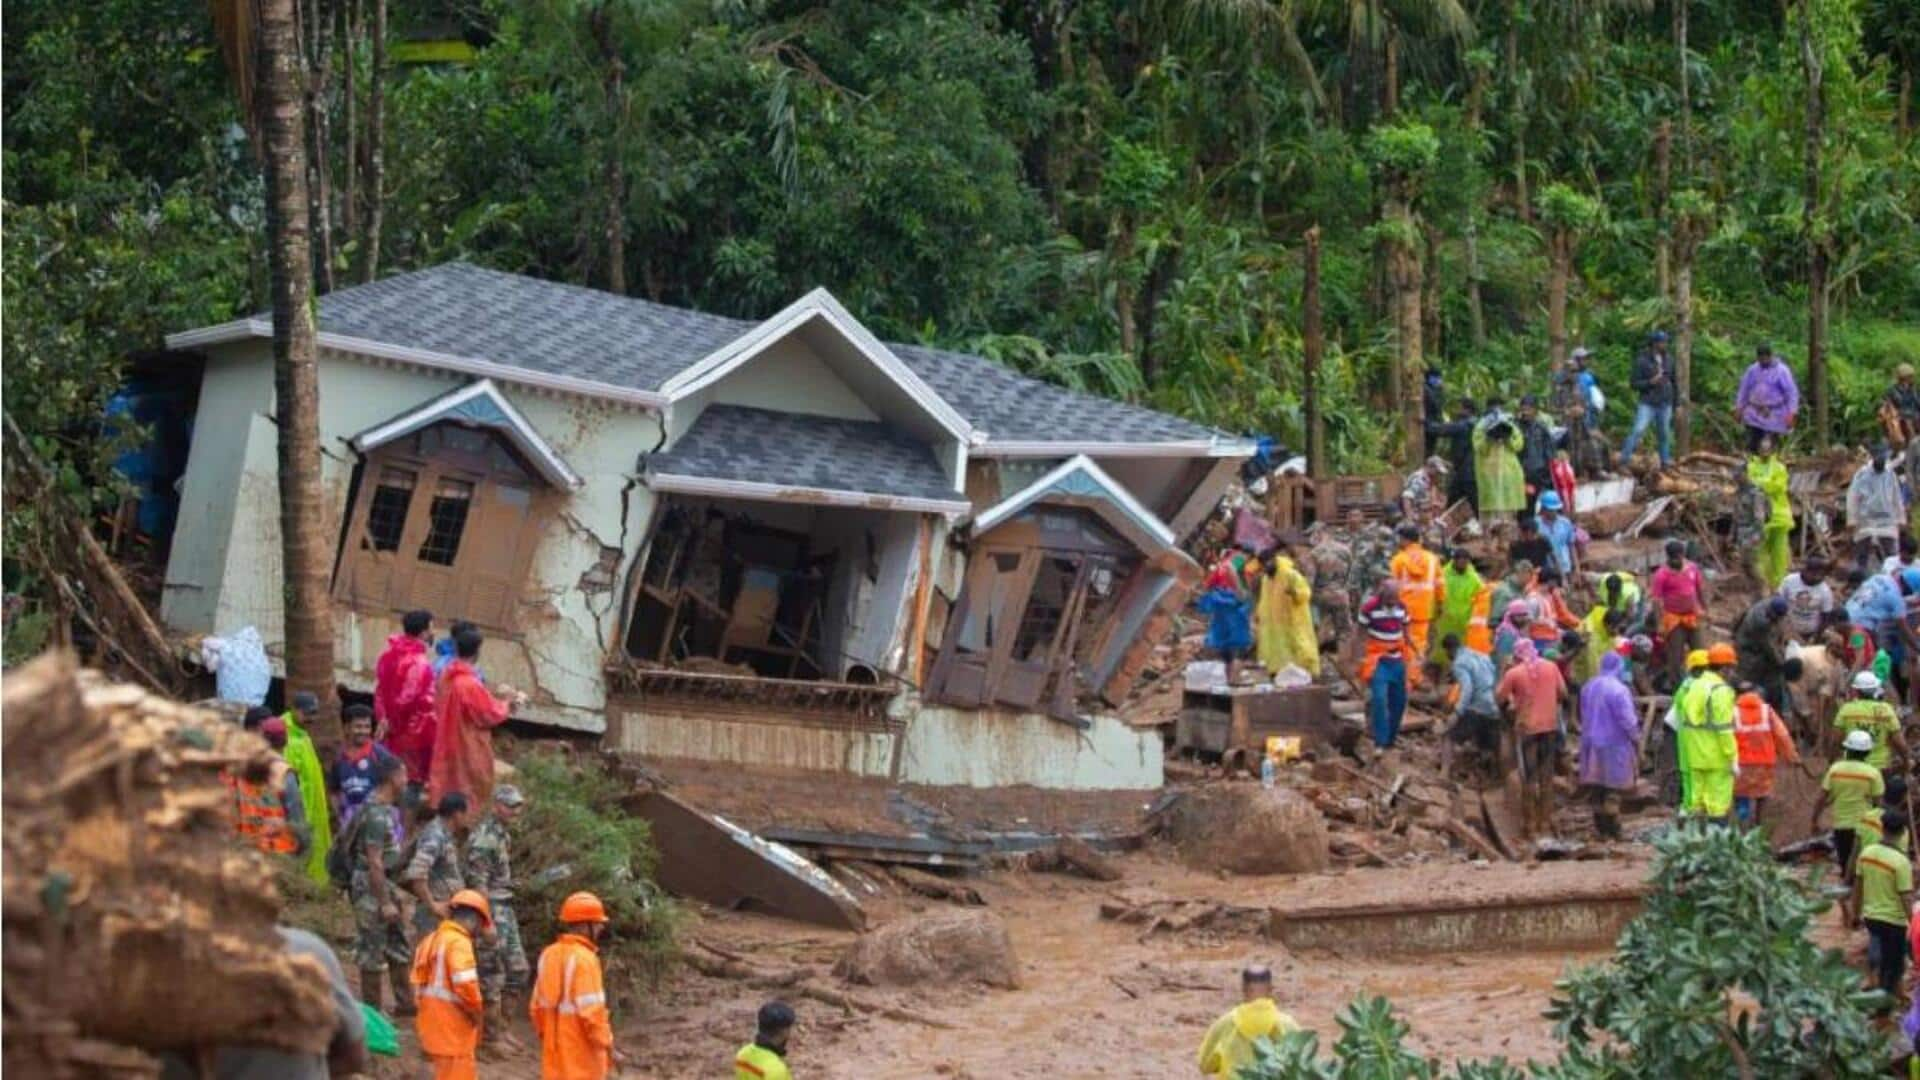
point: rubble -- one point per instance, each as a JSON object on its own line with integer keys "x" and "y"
{"x": 943, "y": 948}
{"x": 120, "y": 858}
{"x": 1243, "y": 828}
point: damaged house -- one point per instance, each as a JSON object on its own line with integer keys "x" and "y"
{"x": 778, "y": 543}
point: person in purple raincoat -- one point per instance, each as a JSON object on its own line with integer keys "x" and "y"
{"x": 1609, "y": 742}
{"x": 1768, "y": 400}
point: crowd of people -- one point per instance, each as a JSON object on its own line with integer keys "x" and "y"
{"x": 409, "y": 821}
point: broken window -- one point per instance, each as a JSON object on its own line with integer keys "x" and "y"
{"x": 461, "y": 550}
{"x": 387, "y": 512}
{"x": 1038, "y": 592}
{"x": 446, "y": 520}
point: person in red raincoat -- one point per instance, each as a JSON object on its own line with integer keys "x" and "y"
{"x": 468, "y": 712}
{"x": 403, "y": 694}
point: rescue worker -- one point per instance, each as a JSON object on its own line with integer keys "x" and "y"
{"x": 503, "y": 957}
{"x": 1763, "y": 741}
{"x": 433, "y": 874}
{"x": 267, "y": 809}
{"x": 1534, "y": 690}
{"x": 1867, "y": 712}
{"x": 1417, "y": 571}
{"x": 372, "y": 838}
{"x": 1283, "y": 633}
{"x": 1876, "y": 508}
{"x": 1228, "y": 1045}
{"x": 1706, "y": 734}
{"x": 1850, "y": 787}
{"x": 1383, "y": 667}
{"x": 1696, "y": 665}
{"x": 1882, "y": 890}
{"x": 569, "y": 1006}
{"x": 1460, "y": 589}
{"x": 1476, "y": 716}
{"x": 1680, "y": 597}
{"x": 447, "y": 984}
{"x": 1329, "y": 562}
{"x": 1497, "y": 441}
{"x": 1762, "y": 654}
{"x": 765, "y": 1058}
{"x": 305, "y": 762}
{"x": 1424, "y": 496}
{"x": 1768, "y": 473}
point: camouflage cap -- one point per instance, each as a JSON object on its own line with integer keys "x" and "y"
{"x": 508, "y": 795}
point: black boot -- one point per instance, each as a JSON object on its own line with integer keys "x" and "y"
{"x": 402, "y": 991}
{"x": 370, "y": 989}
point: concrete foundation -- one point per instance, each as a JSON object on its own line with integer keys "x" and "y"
{"x": 1442, "y": 925}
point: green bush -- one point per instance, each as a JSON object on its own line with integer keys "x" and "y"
{"x": 575, "y": 834}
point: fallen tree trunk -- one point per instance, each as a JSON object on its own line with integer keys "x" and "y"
{"x": 134, "y": 923}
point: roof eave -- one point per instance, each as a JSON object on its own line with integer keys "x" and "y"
{"x": 1186, "y": 448}
{"x": 683, "y": 484}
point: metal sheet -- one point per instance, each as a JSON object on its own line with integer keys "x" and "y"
{"x": 708, "y": 858}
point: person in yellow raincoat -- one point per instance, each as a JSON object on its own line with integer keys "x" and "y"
{"x": 1767, "y": 472}
{"x": 1460, "y": 588}
{"x": 1283, "y": 631}
{"x": 305, "y": 761}
{"x": 1501, "y": 483}
{"x": 1228, "y": 1046}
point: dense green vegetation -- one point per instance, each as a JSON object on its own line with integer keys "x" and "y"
{"x": 1110, "y": 194}
{"x": 1719, "y": 976}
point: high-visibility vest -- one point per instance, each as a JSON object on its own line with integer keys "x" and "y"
{"x": 1418, "y": 572}
{"x": 1479, "y": 627}
{"x": 756, "y": 1062}
{"x": 258, "y": 815}
{"x": 569, "y": 1012}
{"x": 446, "y": 982}
{"x": 1753, "y": 729}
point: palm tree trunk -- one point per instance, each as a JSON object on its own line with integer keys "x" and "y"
{"x": 1559, "y": 275}
{"x": 376, "y": 145}
{"x": 1812, "y": 65}
{"x": 1686, "y": 241}
{"x": 1404, "y": 284}
{"x": 1686, "y": 88}
{"x": 1312, "y": 343}
{"x": 1662, "y": 179}
{"x": 305, "y": 549}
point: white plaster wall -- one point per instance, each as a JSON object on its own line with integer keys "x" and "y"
{"x": 234, "y": 390}
{"x": 564, "y": 631}
{"x": 995, "y": 748}
{"x": 791, "y": 377}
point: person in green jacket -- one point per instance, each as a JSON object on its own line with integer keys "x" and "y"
{"x": 1459, "y": 584}
{"x": 1497, "y": 441}
{"x": 305, "y": 762}
{"x": 1706, "y": 737}
{"x": 1767, "y": 472}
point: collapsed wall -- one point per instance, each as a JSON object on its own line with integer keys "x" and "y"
{"x": 133, "y": 924}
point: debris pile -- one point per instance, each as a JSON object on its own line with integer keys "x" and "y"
{"x": 132, "y": 924}
{"x": 1244, "y": 828}
{"x": 942, "y": 948}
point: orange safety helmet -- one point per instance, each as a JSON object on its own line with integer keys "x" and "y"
{"x": 1721, "y": 653}
{"x": 469, "y": 898}
{"x": 583, "y": 907}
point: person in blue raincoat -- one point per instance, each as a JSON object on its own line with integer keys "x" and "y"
{"x": 1229, "y": 628}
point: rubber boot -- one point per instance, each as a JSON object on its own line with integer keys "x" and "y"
{"x": 402, "y": 992}
{"x": 371, "y": 990}
{"x": 496, "y": 1041}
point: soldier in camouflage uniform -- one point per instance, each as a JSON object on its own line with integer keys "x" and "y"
{"x": 1328, "y": 565}
{"x": 504, "y": 969}
{"x": 380, "y": 942}
{"x": 1373, "y": 547}
{"x": 433, "y": 873}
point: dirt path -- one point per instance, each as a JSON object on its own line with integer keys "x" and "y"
{"x": 1093, "y": 993}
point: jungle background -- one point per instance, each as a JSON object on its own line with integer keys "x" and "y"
{"x": 1115, "y": 196}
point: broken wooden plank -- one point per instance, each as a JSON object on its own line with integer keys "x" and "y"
{"x": 937, "y": 887}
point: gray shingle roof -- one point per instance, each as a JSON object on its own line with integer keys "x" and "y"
{"x": 542, "y": 326}
{"x": 733, "y": 442}
{"x": 553, "y": 329}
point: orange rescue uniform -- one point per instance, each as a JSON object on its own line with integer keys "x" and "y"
{"x": 258, "y": 815}
{"x": 446, "y": 985}
{"x": 1418, "y": 572}
{"x": 569, "y": 1011}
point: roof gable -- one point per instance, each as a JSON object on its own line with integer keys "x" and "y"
{"x": 1079, "y": 482}
{"x": 481, "y": 405}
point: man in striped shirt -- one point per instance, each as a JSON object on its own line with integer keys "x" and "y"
{"x": 1383, "y": 667}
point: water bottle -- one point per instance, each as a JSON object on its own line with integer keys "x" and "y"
{"x": 1266, "y": 771}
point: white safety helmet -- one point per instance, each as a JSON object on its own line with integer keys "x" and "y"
{"x": 1858, "y": 741}
{"x": 1866, "y": 682}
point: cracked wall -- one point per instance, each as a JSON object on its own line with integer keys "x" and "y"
{"x": 224, "y": 571}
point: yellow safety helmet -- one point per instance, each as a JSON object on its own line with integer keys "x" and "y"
{"x": 1697, "y": 659}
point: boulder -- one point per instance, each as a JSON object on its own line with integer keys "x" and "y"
{"x": 1248, "y": 829}
{"x": 944, "y": 947}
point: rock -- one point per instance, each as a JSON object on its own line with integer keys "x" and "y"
{"x": 1248, "y": 829}
{"x": 946, "y": 947}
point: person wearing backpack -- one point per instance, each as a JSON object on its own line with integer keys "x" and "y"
{"x": 370, "y": 859}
